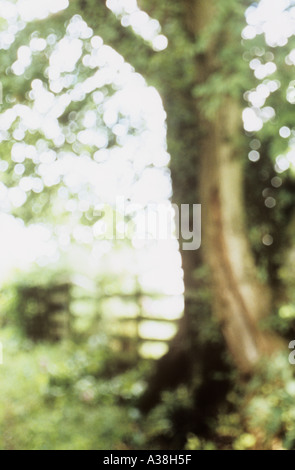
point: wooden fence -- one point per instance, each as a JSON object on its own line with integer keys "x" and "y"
{"x": 136, "y": 321}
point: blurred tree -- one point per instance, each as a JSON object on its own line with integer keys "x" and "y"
{"x": 240, "y": 300}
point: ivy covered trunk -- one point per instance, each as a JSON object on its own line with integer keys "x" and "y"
{"x": 240, "y": 300}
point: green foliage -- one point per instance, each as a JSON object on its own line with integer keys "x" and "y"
{"x": 80, "y": 393}
{"x": 57, "y": 397}
{"x": 270, "y": 403}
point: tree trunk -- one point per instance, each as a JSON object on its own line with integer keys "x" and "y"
{"x": 240, "y": 300}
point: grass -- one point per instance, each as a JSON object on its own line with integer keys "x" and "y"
{"x": 47, "y": 404}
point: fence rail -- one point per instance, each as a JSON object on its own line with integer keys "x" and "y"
{"x": 57, "y": 311}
